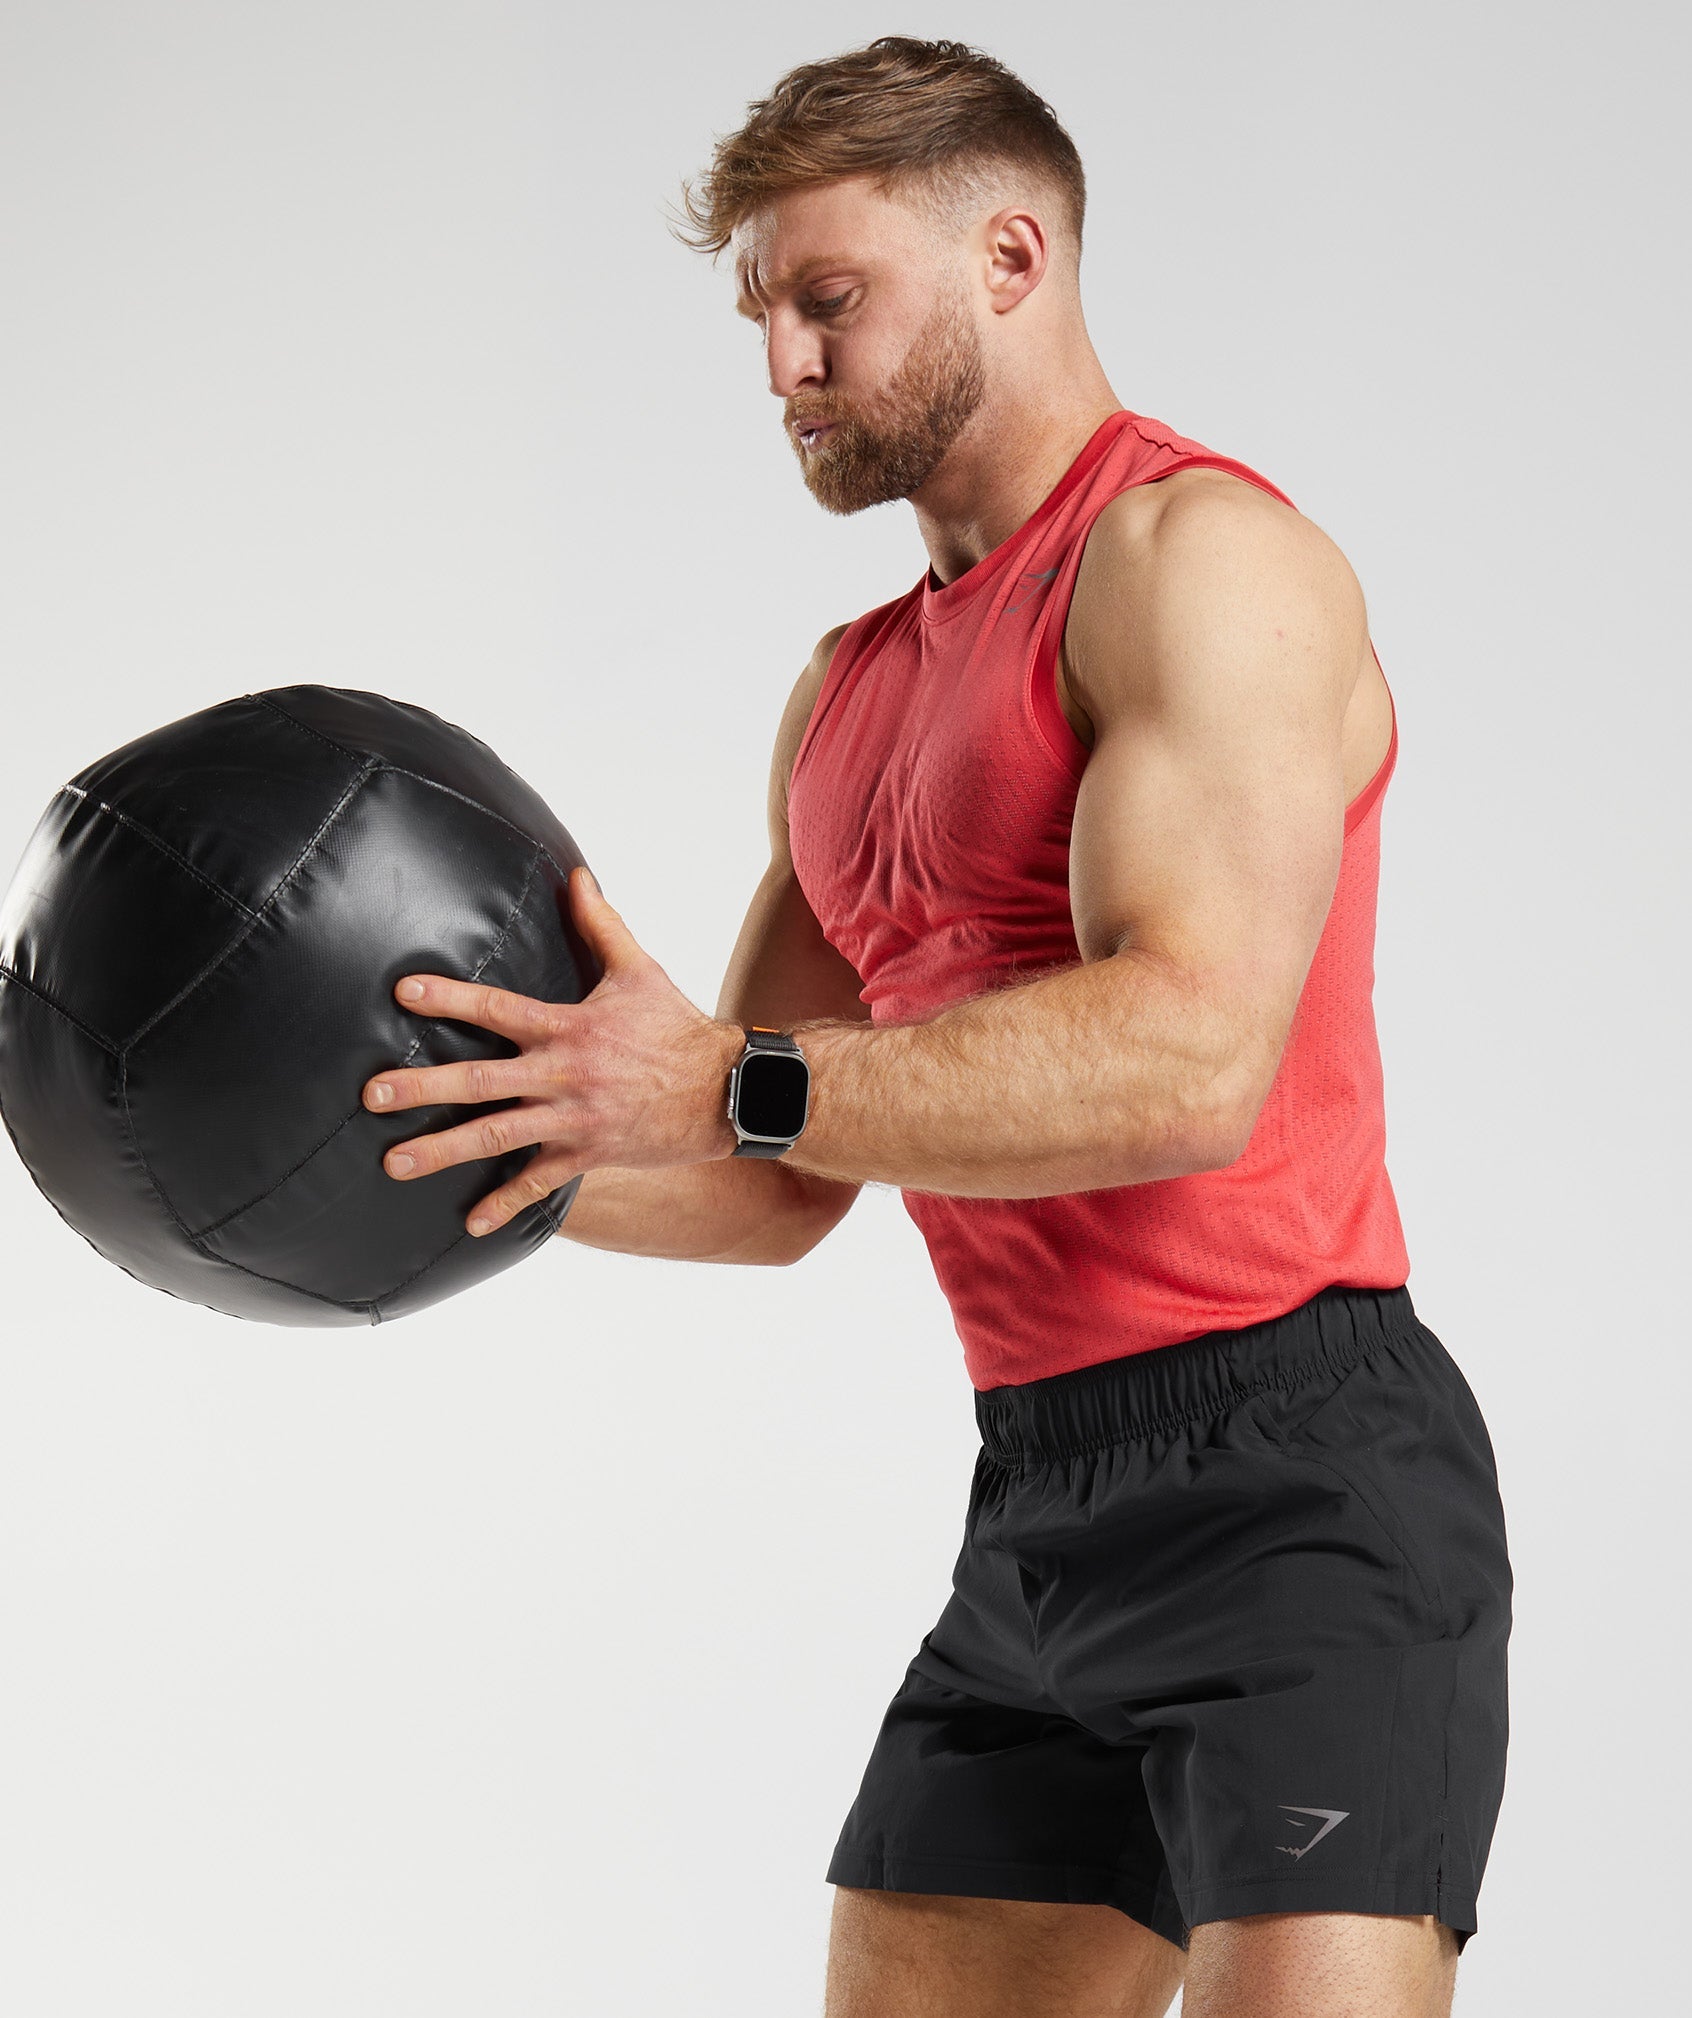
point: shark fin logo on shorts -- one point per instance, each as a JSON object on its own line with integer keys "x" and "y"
{"x": 1330, "y": 1819}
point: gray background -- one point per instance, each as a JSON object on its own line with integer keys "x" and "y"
{"x": 524, "y": 1657}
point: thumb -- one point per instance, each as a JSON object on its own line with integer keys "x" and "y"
{"x": 600, "y": 925}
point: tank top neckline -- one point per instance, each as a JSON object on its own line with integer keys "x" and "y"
{"x": 942, "y": 601}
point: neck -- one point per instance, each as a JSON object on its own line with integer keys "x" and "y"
{"x": 1008, "y": 460}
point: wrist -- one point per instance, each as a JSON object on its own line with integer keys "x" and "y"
{"x": 726, "y": 1042}
{"x": 850, "y": 1086}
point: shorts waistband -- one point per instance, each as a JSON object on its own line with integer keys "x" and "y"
{"x": 1144, "y": 1393}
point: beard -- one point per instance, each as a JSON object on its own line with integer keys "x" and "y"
{"x": 894, "y": 442}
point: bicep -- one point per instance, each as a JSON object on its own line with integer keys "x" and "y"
{"x": 783, "y": 970}
{"x": 1210, "y": 818}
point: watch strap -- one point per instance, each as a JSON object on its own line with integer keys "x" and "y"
{"x": 760, "y": 1039}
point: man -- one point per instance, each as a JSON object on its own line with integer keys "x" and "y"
{"x": 1069, "y": 924}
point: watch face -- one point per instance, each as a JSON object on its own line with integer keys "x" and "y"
{"x": 771, "y": 1094}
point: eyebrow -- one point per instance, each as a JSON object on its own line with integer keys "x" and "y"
{"x": 783, "y": 282}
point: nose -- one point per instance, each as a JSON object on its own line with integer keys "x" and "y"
{"x": 793, "y": 355}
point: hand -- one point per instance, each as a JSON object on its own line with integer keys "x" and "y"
{"x": 633, "y": 1075}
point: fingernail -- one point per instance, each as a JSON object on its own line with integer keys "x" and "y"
{"x": 594, "y": 880}
{"x": 401, "y": 1165}
{"x": 410, "y": 991}
{"x": 481, "y": 1226}
{"x": 381, "y": 1094}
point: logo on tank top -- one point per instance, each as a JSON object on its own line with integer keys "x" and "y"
{"x": 1330, "y": 1819}
{"x": 1045, "y": 575}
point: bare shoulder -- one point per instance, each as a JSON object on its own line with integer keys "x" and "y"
{"x": 1198, "y": 529}
{"x": 1201, "y": 564}
{"x": 1194, "y": 509}
{"x": 809, "y": 683}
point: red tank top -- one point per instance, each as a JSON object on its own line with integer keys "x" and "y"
{"x": 929, "y": 812}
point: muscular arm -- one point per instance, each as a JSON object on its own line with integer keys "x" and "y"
{"x": 782, "y": 972}
{"x": 1213, "y": 645}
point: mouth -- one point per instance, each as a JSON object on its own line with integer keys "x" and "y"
{"x": 810, "y": 433}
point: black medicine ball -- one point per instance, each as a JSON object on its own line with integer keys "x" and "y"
{"x": 197, "y": 962}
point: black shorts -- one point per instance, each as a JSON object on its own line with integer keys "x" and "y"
{"x": 1227, "y": 1636}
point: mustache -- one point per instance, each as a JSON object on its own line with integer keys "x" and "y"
{"x": 801, "y": 415}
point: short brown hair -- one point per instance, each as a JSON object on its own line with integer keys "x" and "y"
{"x": 926, "y": 119}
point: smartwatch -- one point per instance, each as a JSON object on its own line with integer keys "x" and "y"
{"x": 769, "y": 1094}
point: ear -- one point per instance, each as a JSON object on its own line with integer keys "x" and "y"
{"x": 1018, "y": 254}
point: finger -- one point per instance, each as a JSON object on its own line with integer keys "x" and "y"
{"x": 541, "y": 1177}
{"x": 518, "y": 1017}
{"x": 472, "y": 1141}
{"x": 463, "y": 1085}
{"x": 600, "y": 925}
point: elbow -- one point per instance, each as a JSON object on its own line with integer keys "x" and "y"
{"x": 1211, "y": 1138}
{"x": 826, "y": 1204}
{"x": 1214, "y": 1121}
{"x": 1217, "y": 1152}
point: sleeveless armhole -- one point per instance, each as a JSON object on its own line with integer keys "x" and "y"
{"x": 1040, "y": 696}
{"x": 1369, "y": 797}
{"x": 854, "y": 641}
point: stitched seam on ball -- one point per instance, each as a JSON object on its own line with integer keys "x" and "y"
{"x": 164, "y": 848}
{"x": 540, "y": 1204}
{"x": 417, "y": 778}
{"x": 254, "y": 917}
{"x": 464, "y": 799}
{"x": 305, "y": 728}
{"x": 387, "y": 1294}
{"x": 175, "y": 1217}
{"x": 58, "y": 1008}
{"x": 88, "y": 1241}
{"x": 433, "y": 1260}
{"x": 434, "y": 1023}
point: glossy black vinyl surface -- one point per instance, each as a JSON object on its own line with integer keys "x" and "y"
{"x": 197, "y": 959}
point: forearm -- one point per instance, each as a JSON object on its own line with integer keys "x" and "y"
{"x": 738, "y": 1209}
{"x": 1115, "y": 1072}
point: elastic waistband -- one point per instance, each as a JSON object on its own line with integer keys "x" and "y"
{"x": 1122, "y": 1400}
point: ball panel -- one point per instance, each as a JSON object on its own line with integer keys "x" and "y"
{"x": 62, "y": 1100}
{"x": 264, "y": 1061}
{"x": 236, "y": 790}
{"x": 104, "y": 923}
{"x": 416, "y": 740}
{"x": 342, "y": 1228}
{"x": 471, "y": 1261}
{"x": 339, "y": 1225}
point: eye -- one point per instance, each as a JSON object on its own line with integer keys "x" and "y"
{"x": 833, "y": 305}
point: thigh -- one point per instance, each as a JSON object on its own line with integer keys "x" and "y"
{"x": 1321, "y": 1965}
{"x": 990, "y": 1800}
{"x": 925, "y": 1955}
